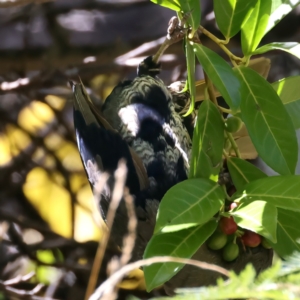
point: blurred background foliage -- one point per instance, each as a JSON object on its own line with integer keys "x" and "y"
{"x": 45, "y": 198}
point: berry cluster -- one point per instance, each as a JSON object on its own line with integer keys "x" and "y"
{"x": 225, "y": 238}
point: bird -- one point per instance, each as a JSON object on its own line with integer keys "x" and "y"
{"x": 140, "y": 122}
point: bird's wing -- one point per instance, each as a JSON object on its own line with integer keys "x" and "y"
{"x": 100, "y": 145}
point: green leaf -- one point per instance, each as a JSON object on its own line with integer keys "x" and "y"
{"x": 221, "y": 75}
{"x": 254, "y": 28}
{"x": 290, "y": 47}
{"x": 258, "y": 216}
{"x": 208, "y": 143}
{"x": 189, "y": 203}
{"x": 190, "y": 61}
{"x": 193, "y": 7}
{"x": 280, "y": 8}
{"x": 182, "y": 244}
{"x": 281, "y": 191}
{"x": 289, "y": 93}
{"x": 230, "y": 15}
{"x": 241, "y": 286}
{"x": 268, "y": 123}
{"x": 243, "y": 172}
{"x": 288, "y": 233}
{"x": 172, "y": 4}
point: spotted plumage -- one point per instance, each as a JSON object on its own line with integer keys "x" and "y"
{"x": 138, "y": 118}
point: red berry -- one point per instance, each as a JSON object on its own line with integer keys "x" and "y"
{"x": 251, "y": 239}
{"x": 233, "y": 205}
{"x": 228, "y": 225}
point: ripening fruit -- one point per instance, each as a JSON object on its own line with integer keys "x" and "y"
{"x": 230, "y": 252}
{"x": 217, "y": 241}
{"x": 233, "y": 205}
{"x": 233, "y": 124}
{"x": 228, "y": 225}
{"x": 265, "y": 244}
{"x": 251, "y": 239}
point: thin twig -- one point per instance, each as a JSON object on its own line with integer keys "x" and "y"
{"x": 233, "y": 144}
{"x": 120, "y": 177}
{"x": 19, "y": 278}
{"x": 107, "y": 286}
{"x": 176, "y": 33}
{"x": 18, "y": 292}
{"x": 12, "y": 3}
{"x": 220, "y": 43}
{"x": 128, "y": 242}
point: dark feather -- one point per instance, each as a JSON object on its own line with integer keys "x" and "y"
{"x": 138, "y": 123}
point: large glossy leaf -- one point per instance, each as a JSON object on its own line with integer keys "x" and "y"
{"x": 290, "y": 47}
{"x": 280, "y": 8}
{"x": 254, "y": 28}
{"x": 258, "y": 216}
{"x": 190, "y": 60}
{"x": 243, "y": 172}
{"x": 281, "y": 191}
{"x": 288, "y": 233}
{"x": 189, "y": 203}
{"x": 220, "y": 73}
{"x": 172, "y": 4}
{"x": 289, "y": 93}
{"x": 182, "y": 244}
{"x": 268, "y": 123}
{"x": 230, "y": 15}
{"x": 208, "y": 143}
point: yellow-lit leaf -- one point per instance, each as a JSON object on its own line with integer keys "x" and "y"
{"x": 79, "y": 181}
{"x": 53, "y": 141}
{"x": 47, "y": 275}
{"x": 12, "y": 142}
{"x": 51, "y": 200}
{"x": 69, "y": 156}
{"x": 55, "y": 101}
{"x": 104, "y": 84}
{"x": 35, "y": 116}
{"x": 88, "y": 222}
{"x": 134, "y": 281}
{"x": 41, "y": 158}
{"x": 85, "y": 227}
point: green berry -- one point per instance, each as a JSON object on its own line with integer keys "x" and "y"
{"x": 233, "y": 124}
{"x": 217, "y": 241}
{"x": 230, "y": 252}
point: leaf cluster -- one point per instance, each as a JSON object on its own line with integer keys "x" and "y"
{"x": 189, "y": 212}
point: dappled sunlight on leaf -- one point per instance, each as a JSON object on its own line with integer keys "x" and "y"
{"x": 85, "y": 227}
{"x": 35, "y": 117}
{"x": 134, "y": 281}
{"x": 69, "y": 156}
{"x": 51, "y": 200}
{"x": 41, "y": 158}
{"x": 55, "y": 101}
{"x": 53, "y": 141}
{"x": 12, "y": 142}
{"x": 79, "y": 181}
